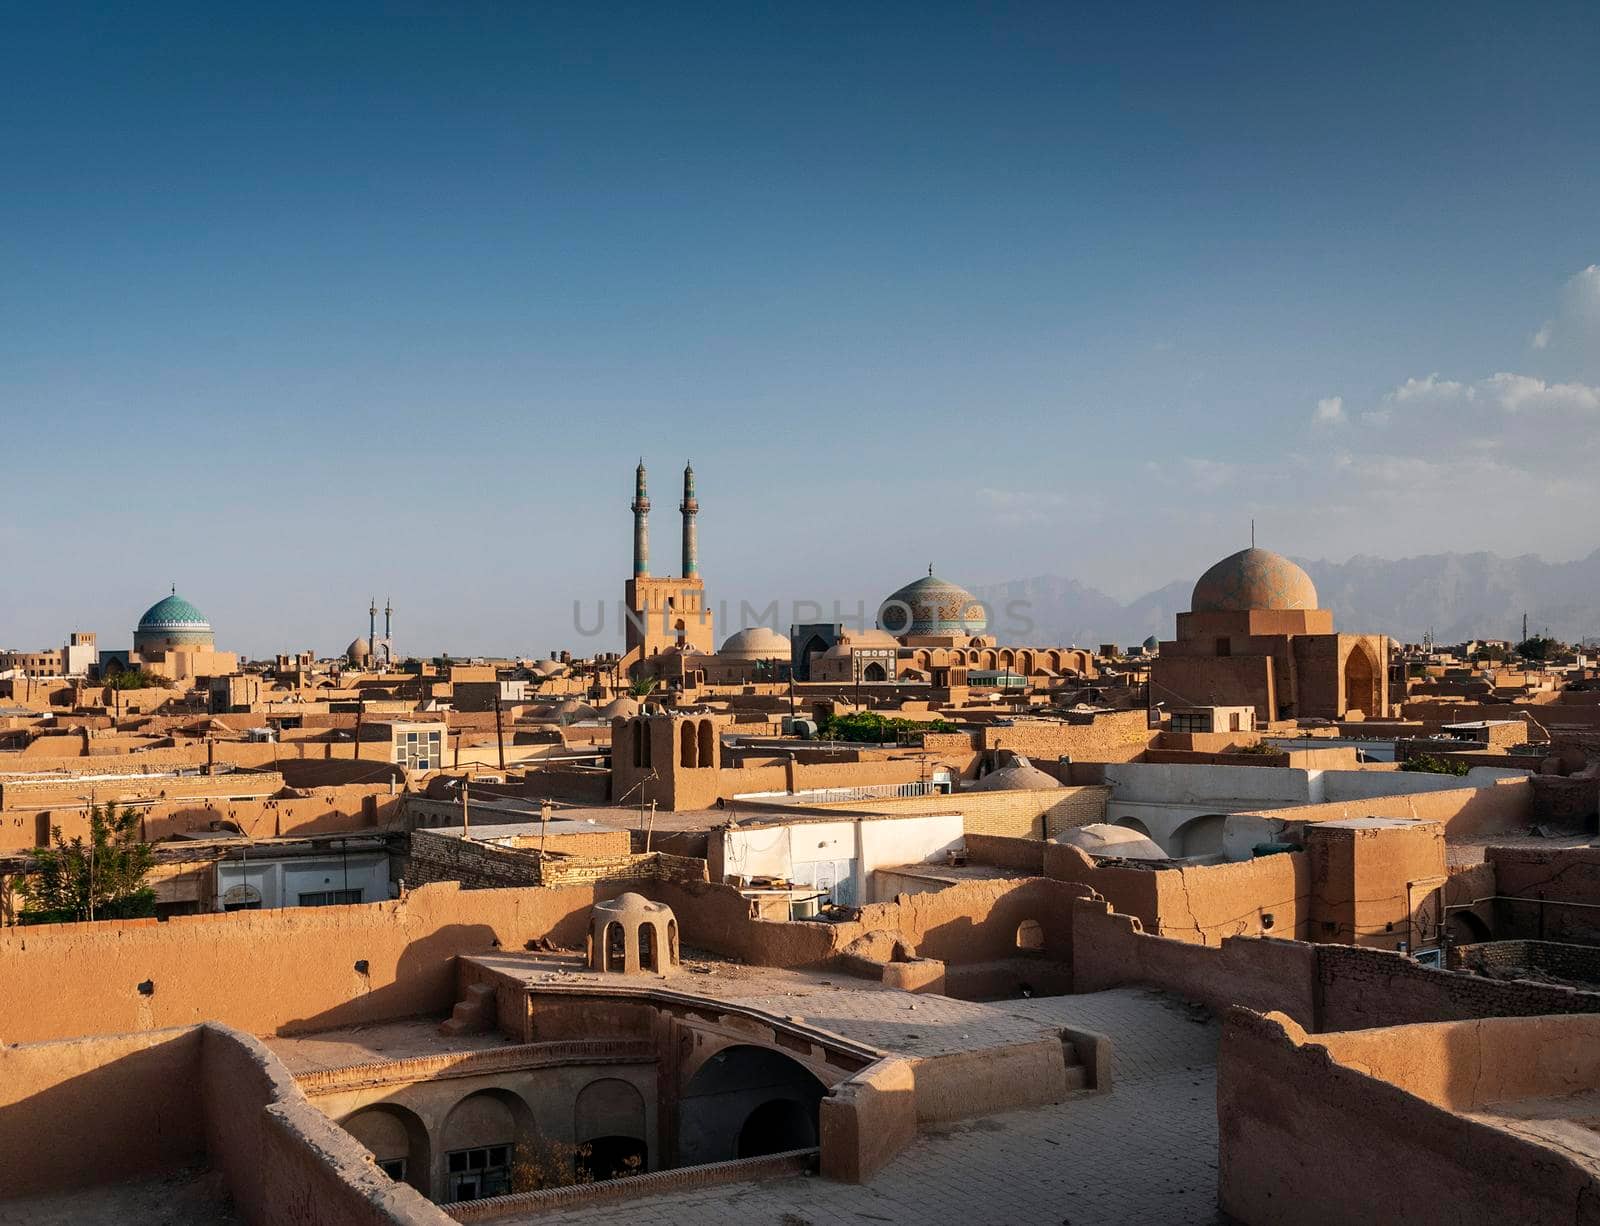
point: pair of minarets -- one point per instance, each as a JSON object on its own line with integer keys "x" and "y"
{"x": 690, "y": 508}
{"x": 372, "y": 622}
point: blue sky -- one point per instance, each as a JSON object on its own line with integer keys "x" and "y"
{"x": 307, "y": 303}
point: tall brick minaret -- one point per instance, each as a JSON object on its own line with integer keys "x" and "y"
{"x": 641, "y": 525}
{"x": 691, "y": 534}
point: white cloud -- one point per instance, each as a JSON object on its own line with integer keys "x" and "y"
{"x": 1526, "y": 394}
{"x": 1512, "y": 392}
{"x": 1576, "y": 324}
{"x": 1432, "y": 389}
{"x": 1585, "y": 286}
{"x": 1330, "y": 411}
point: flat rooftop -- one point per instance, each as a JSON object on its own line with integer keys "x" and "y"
{"x": 489, "y": 831}
{"x": 861, "y": 1010}
{"x": 1146, "y": 1152}
{"x": 191, "y": 1197}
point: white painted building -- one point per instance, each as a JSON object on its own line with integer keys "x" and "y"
{"x": 835, "y": 859}
{"x": 327, "y": 878}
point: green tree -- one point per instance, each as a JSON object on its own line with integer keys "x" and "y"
{"x": 871, "y": 728}
{"x": 1435, "y": 764}
{"x": 1538, "y": 648}
{"x": 642, "y": 687}
{"x": 101, "y": 878}
{"x": 132, "y": 679}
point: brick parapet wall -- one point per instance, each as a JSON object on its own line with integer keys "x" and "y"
{"x": 1363, "y": 988}
{"x": 1577, "y": 962}
{"x": 475, "y": 1063}
{"x": 439, "y": 857}
{"x": 1024, "y": 854}
{"x": 656, "y": 1183}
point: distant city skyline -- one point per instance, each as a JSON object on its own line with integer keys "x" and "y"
{"x": 304, "y": 306}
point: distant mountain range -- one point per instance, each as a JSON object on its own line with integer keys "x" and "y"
{"x": 1456, "y": 595}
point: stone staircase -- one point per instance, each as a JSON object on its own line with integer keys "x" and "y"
{"x": 474, "y": 1013}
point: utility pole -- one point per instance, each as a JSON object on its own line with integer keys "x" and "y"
{"x": 91, "y": 853}
{"x": 499, "y": 729}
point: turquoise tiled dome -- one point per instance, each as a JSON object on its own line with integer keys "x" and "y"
{"x": 172, "y": 622}
{"x": 936, "y": 607}
{"x": 173, "y": 613}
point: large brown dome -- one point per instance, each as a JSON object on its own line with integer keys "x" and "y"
{"x": 1253, "y": 579}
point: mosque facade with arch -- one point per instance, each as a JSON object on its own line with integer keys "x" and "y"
{"x": 1255, "y": 637}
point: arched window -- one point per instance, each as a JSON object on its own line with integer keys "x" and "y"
{"x": 708, "y": 743}
{"x": 1030, "y": 935}
{"x": 644, "y": 743}
{"x": 636, "y": 734}
{"x": 647, "y": 947}
{"x": 616, "y": 947}
{"x": 672, "y": 942}
{"x": 686, "y": 751}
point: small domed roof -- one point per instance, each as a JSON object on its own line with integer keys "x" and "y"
{"x": 1151, "y": 643}
{"x": 172, "y": 613}
{"x": 935, "y": 606}
{"x": 547, "y": 668}
{"x": 1020, "y": 775}
{"x": 359, "y": 649}
{"x": 1116, "y": 842}
{"x": 632, "y": 905}
{"x": 1253, "y": 579}
{"x": 756, "y": 643}
{"x": 573, "y": 709}
{"x": 621, "y": 708}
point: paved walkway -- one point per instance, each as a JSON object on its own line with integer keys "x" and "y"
{"x": 1145, "y": 1153}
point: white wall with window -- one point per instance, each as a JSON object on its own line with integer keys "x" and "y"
{"x": 302, "y": 881}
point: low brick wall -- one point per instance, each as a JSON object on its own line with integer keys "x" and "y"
{"x": 1269, "y": 974}
{"x": 656, "y": 1183}
{"x": 1309, "y": 1140}
{"x": 1024, "y": 854}
{"x": 1576, "y": 962}
{"x": 439, "y": 857}
{"x": 867, "y": 1120}
{"x": 1363, "y": 988}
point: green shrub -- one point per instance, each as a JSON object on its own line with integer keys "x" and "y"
{"x": 1435, "y": 764}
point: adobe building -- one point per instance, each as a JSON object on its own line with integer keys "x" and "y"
{"x": 664, "y": 611}
{"x": 174, "y": 640}
{"x": 1254, "y": 637}
{"x": 924, "y": 630}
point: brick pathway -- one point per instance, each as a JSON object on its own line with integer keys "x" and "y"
{"x": 1145, "y": 1153}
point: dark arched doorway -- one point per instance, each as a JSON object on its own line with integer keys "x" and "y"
{"x": 874, "y": 672}
{"x": 1465, "y": 928}
{"x": 609, "y": 1123}
{"x": 398, "y": 1140}
{"x": 734, "y": 1105}
{"x": 777, "y": 1126}
{"x": 602, "y": 1158}
{"x": 1360, "y": 683}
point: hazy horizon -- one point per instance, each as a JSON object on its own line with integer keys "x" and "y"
{"x": 305, "y": 306}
